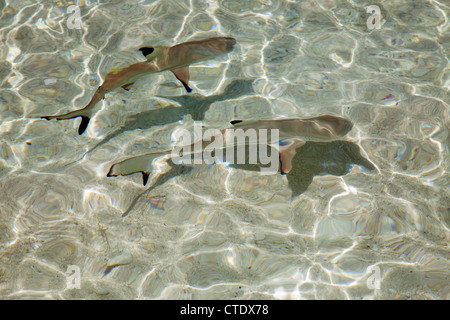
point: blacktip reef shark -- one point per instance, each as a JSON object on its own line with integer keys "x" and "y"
{"x": 311, "y": 159}
{"x": 177, "y": 59}
{"x": 322, "y": 128}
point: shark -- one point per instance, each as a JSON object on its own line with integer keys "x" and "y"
{"x": 294, "y": 136}
{"x": 176, "y": 58}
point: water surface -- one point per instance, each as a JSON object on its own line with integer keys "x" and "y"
{"x": 219, "y": 232}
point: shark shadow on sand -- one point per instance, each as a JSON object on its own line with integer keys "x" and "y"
{"x": 311, "y": 159}
{"x": 194, "y": 104}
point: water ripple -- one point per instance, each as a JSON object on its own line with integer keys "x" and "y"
{"x": 221, "y": 232}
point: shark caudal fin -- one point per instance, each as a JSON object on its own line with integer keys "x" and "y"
{"x": 142, "y": 164}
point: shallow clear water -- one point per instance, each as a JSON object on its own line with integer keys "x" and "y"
{"x": 219, "y": 232}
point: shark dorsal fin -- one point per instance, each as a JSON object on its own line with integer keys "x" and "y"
{"x": 182, "y": 74}
{"x": 288, "y": 149}
{"x": 147, "y": 50}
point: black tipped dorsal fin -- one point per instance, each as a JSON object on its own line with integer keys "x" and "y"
{"x": 182, "y": 74}
{"x": 235, "y": 122}
{"x": 146, "y": 50}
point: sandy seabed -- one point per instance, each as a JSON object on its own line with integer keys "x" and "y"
{"x": 219, "y": 232}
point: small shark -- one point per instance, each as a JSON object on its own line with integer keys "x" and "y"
{"x": 176, "y": 59}
{"x": 324, "y": 128}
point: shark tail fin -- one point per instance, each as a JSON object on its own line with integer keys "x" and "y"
{"x": 140, "y": 164}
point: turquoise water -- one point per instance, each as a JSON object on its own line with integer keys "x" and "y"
{"x": 219, "y": 232}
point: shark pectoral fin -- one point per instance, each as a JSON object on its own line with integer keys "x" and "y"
{"x": 288, "y": 149}
{"x": 182, "y": 74}
{"x": 127, "y": 86}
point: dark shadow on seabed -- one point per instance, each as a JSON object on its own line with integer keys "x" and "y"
{"x": 194, "y": 104}
{"x": 312, "y": 159}
{"x": 321, "y": 158}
